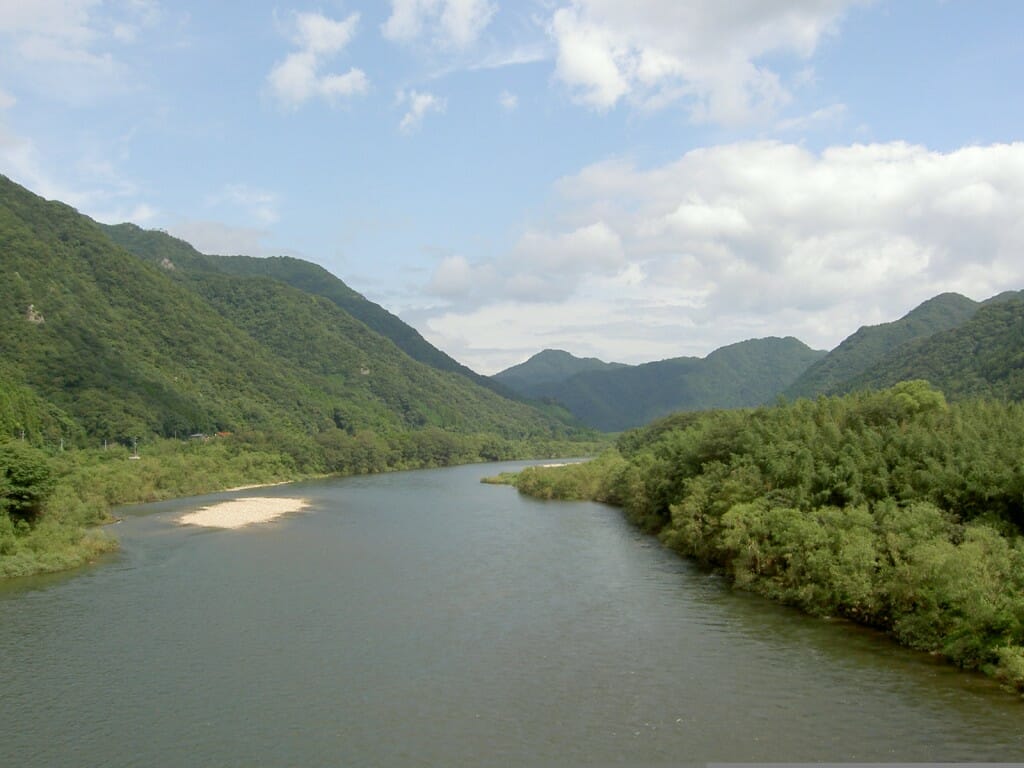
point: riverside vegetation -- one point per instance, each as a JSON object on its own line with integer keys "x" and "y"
{"x": 893, "y": 509}
{"x": 51, "y": 500}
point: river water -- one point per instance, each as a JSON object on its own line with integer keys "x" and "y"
{"x": 422, "y": 618}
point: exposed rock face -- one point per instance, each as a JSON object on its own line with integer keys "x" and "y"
{"x": 167, "y": 264}
{"x": 32, "y": 316}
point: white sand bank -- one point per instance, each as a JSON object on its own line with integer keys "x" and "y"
{"x": 238, "y": 512}
{"x": 257, "y": 485}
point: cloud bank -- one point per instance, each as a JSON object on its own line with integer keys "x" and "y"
{"x": 737, "y": 241}
{"x": 705, "y": 52}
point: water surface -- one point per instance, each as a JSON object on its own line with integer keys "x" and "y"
{"x": 421, "y": 618}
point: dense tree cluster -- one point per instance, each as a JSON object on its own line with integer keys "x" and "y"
{"x": 893, "y": 508}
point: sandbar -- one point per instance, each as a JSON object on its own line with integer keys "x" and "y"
{"x": 236, "y": 513}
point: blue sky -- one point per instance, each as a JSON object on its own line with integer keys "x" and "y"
{"x": 631, "y": 181}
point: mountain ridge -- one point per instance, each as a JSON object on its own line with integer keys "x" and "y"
{"x": 128, "y": 346}
{"x": 869, "y": 344}
{"x": 613, "y": 398}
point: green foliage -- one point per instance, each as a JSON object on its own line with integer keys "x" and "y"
{"x": 982, "y": 357}
{"x": 894, "y": 508}
{"x": 309, "y": 278}
{"x": 576, "y": 481}
{"x": 871, "y": 344}
{"x": 25, "y": 480}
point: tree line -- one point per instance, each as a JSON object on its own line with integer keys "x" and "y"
{"x": 52, "y": 500}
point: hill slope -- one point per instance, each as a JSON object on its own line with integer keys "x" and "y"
{"x": 548, "y": 367}
{"x": 983, "y": 357}
{"x": 156, "y": 246}
{"x": 127, "y": 347}
{"x": 871, "y": 343}
{"x": 744, "y": 374}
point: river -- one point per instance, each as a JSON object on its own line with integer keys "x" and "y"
{"x": 424, "y": 619}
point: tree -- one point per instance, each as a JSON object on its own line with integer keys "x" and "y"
{"x": 25, "y": 480}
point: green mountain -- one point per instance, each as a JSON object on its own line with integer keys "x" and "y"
{"x": 162, "y": 248}
{"x": 96, "y": 341}
{"x": 983, "y": 357}
{"x": 870, "y": 344}
{"x": 548, "y": 367}
{"x": 739, "y": 375}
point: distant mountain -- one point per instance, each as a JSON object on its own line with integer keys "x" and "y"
{"x": 546, "y": 368}
{"x": 97, "y": 341}
{"x": 745, "y": 374}
{"x": 983, "y": 357}
{"x": 872, "y": 343}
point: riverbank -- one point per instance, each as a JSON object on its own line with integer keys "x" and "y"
{"x": 892, "y": 509}
{"x": 80, "y": 488}
{"x": 73, "y": 492}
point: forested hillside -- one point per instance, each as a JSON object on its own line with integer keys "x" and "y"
{"x": 872, "y": 343}
{"x": 118, "y": 345}
{"x": 311, "y": 278}
{"x": 983, "y": 357}
{"x": 551, "y": 366}
{"x": 739, "y": 375}
{"x": 173, "y": 345}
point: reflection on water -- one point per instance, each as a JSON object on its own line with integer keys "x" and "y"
{"x": 424, "y": 619}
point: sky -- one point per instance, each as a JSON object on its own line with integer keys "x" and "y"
{"x": 630, "y": 181}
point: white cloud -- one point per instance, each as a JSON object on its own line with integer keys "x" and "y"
{"x": 455, "y": 277}
{"x": 826, "y": 116}
{"x": 299, "y": 77}
{"x": 738, "y": 241}
{"x": 419, "y": 104}
{"x": 652, "y": 52}
{"x": 508, "y": 101}
{"x": 6, "y": 100}
{"x": 139, "y": 213}
{"x": 447, "y": 23}
{"x": 68, "y": 21}
{"x": 540, "y": 268}
{"x": 96, "y": 188}
{"x": 214, "y": 237}
{"x": 68, "y": 49}
{"x": 252, "y": 202}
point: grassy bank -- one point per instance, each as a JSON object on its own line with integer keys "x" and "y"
{"x": 891, "y": 509}
{"x": 53, "y": 503}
